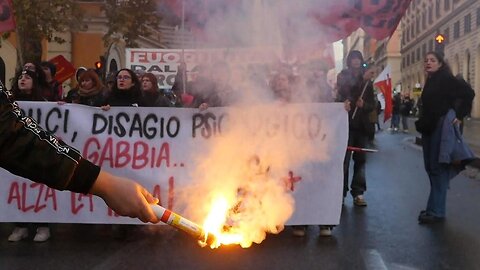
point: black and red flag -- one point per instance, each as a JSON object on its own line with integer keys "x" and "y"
{"x": 7, "y": 22}
{"x": 335, "y": 19}
{"x": 378, "y": 18}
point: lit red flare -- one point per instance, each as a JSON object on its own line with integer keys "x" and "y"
{"x": 179, "y": 222}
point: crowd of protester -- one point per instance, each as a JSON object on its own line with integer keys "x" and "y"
{"x": 217, "y": 85}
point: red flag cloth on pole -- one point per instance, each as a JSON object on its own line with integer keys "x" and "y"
{"x": 7, "y": 22}
{"x": 340, "y": 18}
{"x": 335, "y": 19}
{"x": 65, "y": 69}
{"x": 384, "y": 83}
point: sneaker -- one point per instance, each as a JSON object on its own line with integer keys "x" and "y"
{"x": 18, "y": 234}
{"x": 405, "y": 131}
{"x": 359, "y": 201}
{"x": 325, "y": 231}
{"x": 43, "y": 233}
{"x": 299, "y": 231}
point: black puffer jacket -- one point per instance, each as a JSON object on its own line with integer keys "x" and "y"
{"x": 31, "y": 152}
{"x": 442, "y": 91}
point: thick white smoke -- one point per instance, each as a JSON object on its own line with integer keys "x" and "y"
{"x": 247, "y": 168}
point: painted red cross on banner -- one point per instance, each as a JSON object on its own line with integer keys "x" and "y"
{"x": 290, "y": 181}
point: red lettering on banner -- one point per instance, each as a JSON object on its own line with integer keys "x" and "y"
{"x": 171, "y": 186}
{"x": 122, "y": 153}
{"x": 138, "y": 155}
{"x": 154, "y": 57}
{"x": 291, "y": 180}
{"x": 74, "y": 197}
{"x": 111, "y": 213}
{"x": 19, "y": 194}
{"x": 14, "y": 194}
{"x": 157, "y": 190}
{"x": 49, "y": 195}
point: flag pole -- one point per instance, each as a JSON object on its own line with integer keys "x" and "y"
{"x": 361, "y": 96}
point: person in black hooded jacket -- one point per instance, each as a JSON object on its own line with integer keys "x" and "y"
{"x": 29, "y": 151}
{"x": 352, "y": 83}
{"x": 442, "y": 92}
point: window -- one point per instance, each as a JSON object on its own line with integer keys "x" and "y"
{"x": 478, "y": 16}
{"x": 446, "y": 34}
{"x": 430, "y": 45}
{"x": 418, "y": 54}
{"x": 468, "y": 23}
{"x": 424, "y": 21}
{"x": 424, "y": 48}
{"x": 446, "y": 5}
{"x": 430, "y": 16}
{"x": 417, "y": 27}
{"x": 437, "y": 8}
{"x": 456, "y": 30}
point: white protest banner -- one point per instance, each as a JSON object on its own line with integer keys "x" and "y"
{"x": 164, "y": 63}
{"x": 161, "y": 148}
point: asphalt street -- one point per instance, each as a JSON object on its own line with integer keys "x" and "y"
{"x": 383, "y": 235}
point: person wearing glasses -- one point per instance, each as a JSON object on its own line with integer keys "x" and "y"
{"x": 126, "y": 91}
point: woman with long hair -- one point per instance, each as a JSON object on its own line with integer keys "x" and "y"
{"x": 151, "y": 95}
{"x": 441, "y": 95}
{"x": 126, "y": 91}
{"x": 26, "y": 88}
{"x": 89, "y": 92}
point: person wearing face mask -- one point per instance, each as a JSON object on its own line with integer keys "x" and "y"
{"x": 444, "y": 101}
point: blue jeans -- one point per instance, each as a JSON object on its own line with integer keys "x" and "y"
{"x": 438, "y": 173}
{"x": 396, "y": 120}
{"x": 359, "y": 183}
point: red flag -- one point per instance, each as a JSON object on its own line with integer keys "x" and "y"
{"x": 384, "y": 83}
{"x": 335, "y": 19}
{"x": 7, "y": 22}
{"x": 379, "y": 19}
{"x": 65, "y": 69}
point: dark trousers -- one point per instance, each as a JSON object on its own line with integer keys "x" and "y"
{"x": 359, "y": 184}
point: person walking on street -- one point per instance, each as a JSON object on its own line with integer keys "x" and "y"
{"x": 405, "y": 108}
{"x": 443, "y": 101}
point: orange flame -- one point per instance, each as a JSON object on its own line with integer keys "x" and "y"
{"x": 215, "y": 222}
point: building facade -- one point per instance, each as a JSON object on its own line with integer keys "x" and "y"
{"x": 84, "y": 48}
{"x": 459, "y": 22}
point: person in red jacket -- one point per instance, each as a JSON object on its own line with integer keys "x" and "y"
{"x": 33, "y": 153}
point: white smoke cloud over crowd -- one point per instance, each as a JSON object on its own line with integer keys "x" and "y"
{"x": 248, "y": 169}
